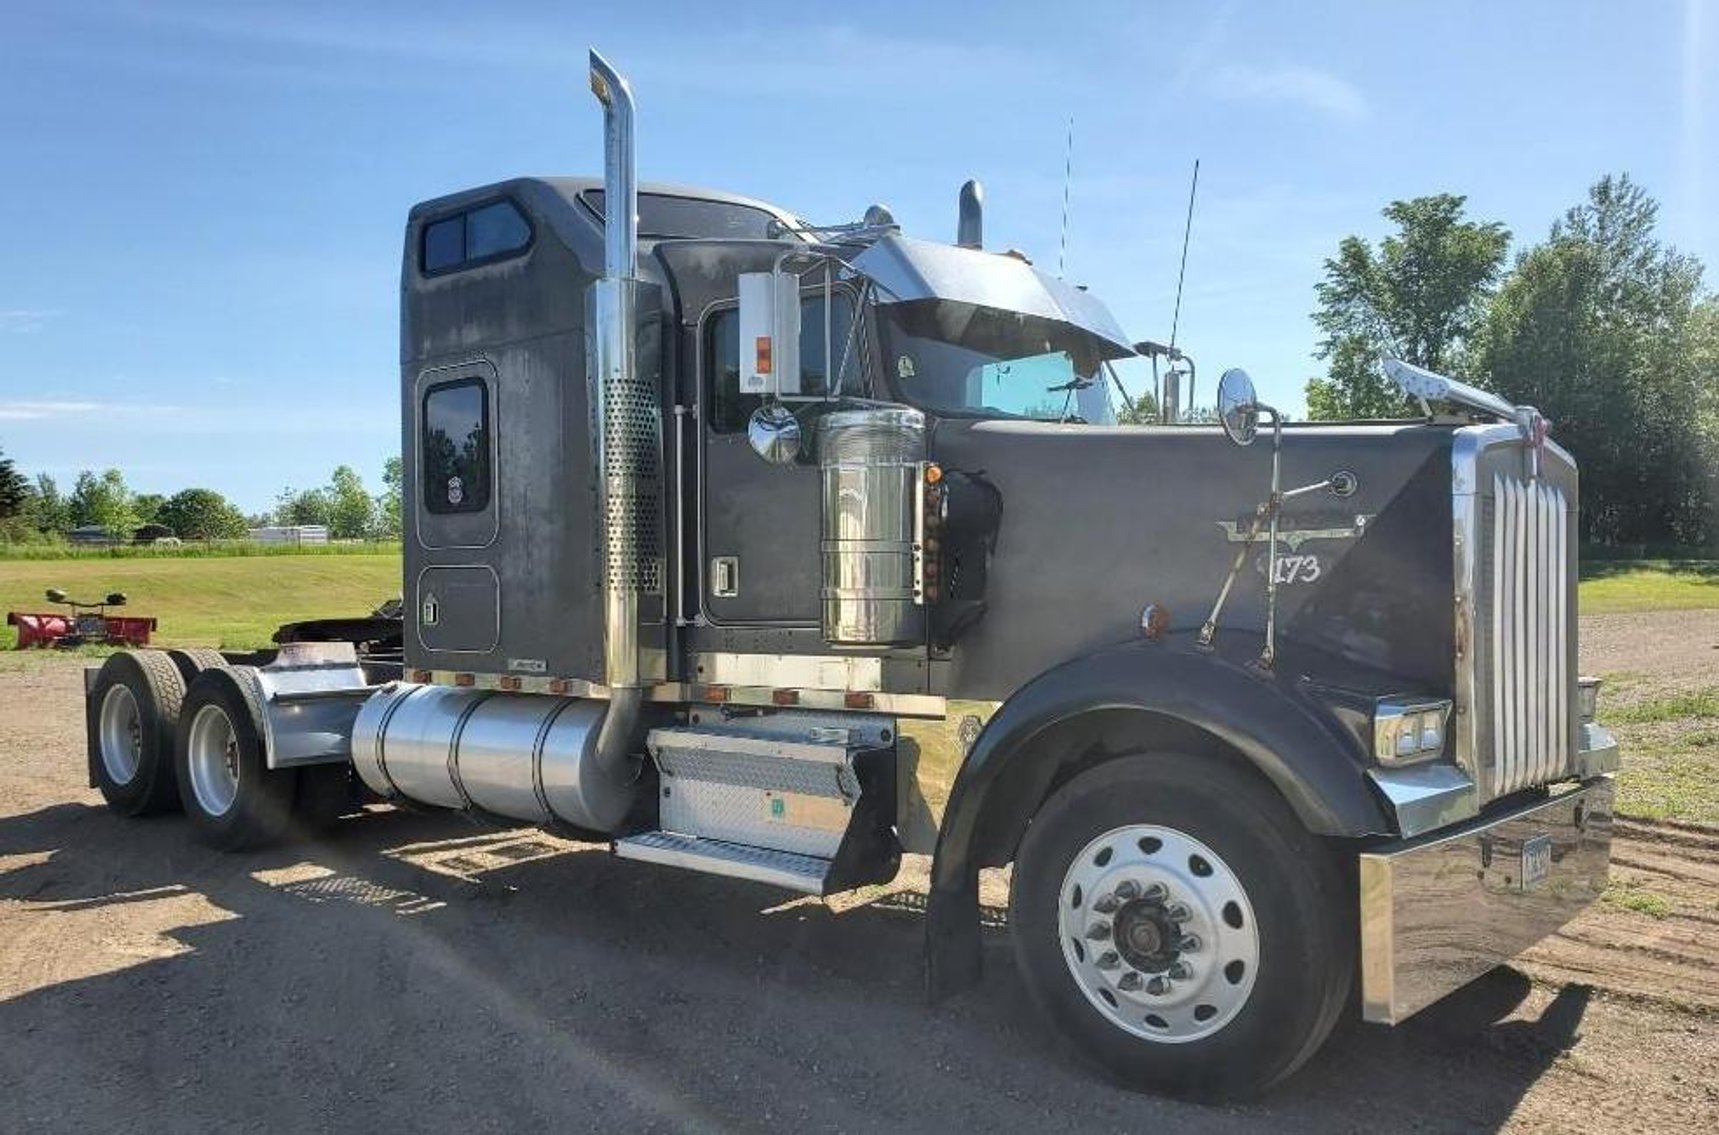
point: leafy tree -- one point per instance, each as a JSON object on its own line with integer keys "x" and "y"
{"x": 202, "y": 514}
{"x": 388, "y": 500}
{"x": 1601, "y": 327}
{"x": 53, "y": 512}
{"x": 1419, "y": 296}
{"x": 354, "y": 512}
{"x": 104, "y": 501}
{"x": 344, "y": 506}
{"x": 312, "y": 506}
{"x": 14, "y": 490}
{"x": 146, "y": 505}
{"x": 1142, "y": 412}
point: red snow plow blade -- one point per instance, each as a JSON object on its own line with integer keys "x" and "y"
{"x": 36, "y": 630}
{"x": 82, "y": 624}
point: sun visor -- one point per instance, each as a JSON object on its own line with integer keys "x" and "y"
{"x": 906, "y": 270}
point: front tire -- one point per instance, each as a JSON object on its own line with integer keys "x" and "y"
{"x": 232, "y": 798}
{"x": 1178, "y": 925}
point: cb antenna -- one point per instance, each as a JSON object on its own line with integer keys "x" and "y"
{"x": 1182, "y": 272}
{"x": 1171, "y": 402}
{"x": 1067, "y": 176}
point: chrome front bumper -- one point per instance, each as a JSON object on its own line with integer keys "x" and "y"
{"x": 1440, "y": 910}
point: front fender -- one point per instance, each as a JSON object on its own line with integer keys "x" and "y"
{"x": 1305, "y": 755}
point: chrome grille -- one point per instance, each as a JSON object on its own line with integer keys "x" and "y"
{"x": 1527, "y": 625}
{"x": 1515, "y": 579}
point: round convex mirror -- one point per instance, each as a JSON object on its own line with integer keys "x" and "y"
{"x": 774, "y": 433}
{"x": 1238, "y": 406}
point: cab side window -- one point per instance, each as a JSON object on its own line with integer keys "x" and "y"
{"x": 731, "y": 409}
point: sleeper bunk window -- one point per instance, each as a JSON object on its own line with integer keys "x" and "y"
{"x": 455, "y": 447}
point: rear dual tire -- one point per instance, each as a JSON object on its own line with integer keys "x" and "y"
{"x": 135, "y": 704}
{"x": 232, "y": 798}
{"x": 1177, "y": 924}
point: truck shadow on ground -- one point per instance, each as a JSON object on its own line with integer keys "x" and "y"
{"x": 418, "y": 971}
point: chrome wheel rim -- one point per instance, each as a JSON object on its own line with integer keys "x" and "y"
{"x": 1158, "y": 933}
{"x": 121, "y": 732}
{"x": 213, "y": 750}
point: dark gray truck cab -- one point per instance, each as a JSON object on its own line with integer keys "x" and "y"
{"x": 780, "y": 552}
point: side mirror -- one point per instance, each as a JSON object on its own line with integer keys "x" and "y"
{"x": 115, "y": 599}
{"x": 1238, "y": 406}
{"x": 55, "y": 595}
{"x": 774, "y": 432}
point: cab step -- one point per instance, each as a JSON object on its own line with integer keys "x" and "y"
{"x": 803, "y": 873}
{"x": 801, "y": 800}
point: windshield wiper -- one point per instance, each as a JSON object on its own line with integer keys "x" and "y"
{"x": 1076, "y": 383}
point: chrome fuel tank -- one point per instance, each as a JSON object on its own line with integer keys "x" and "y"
{"x": 524, "y": 756}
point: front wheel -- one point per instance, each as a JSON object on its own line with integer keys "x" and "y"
{"x": 1175, "y": 922}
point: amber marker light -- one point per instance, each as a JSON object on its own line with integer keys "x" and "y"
{"x": 933, "y": 474}
{"x": 1154, "y": 621}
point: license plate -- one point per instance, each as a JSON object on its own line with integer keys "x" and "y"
{"x": 1536, "y": 861}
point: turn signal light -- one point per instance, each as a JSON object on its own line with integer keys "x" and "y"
{"x": 1588, "y": 697}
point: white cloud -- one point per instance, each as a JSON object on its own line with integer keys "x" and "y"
{"x": 21, "y": 320}
{"x": 1308, "y": 87}
{"x": 29, "y": 411}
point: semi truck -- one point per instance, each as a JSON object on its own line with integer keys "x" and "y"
{"x": 779, "y": 551}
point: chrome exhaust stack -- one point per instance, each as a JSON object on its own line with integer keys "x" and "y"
{"x": 626, "y": 442}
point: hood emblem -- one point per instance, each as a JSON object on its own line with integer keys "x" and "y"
{"x": 1292, "y": 538}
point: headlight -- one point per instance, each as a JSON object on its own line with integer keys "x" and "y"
{"x": 1588, "y": 696}
{"x": 1406, "y": 729}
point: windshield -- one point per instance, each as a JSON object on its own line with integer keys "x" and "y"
{"x": 963, "y": 359}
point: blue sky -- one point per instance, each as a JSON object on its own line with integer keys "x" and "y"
{"x": 204, "y": 201}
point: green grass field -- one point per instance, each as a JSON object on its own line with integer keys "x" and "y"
{"x": 225, "y": 601}
{"x": 1612, "y": 586}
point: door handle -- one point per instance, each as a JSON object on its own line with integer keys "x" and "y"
{"x": 725, "y": 576}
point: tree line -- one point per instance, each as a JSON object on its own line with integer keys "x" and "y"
{"x": 38, "y": 510}
{"x": 1600, "y": 325}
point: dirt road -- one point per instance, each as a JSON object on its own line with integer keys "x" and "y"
{"x": 415, "y": 972}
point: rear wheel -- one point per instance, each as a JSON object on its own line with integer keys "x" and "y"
{"x": 194, "y": 661}
{"x": 134, "y": 709}
{"x": 233, "y": 799}
{"x": 1176, "y": 923}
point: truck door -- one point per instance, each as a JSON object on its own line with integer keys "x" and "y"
{"x": 760, "y": 523}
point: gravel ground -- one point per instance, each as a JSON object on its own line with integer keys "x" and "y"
{"x": 416, "y": 972}
{"x": 1651, "y": 654}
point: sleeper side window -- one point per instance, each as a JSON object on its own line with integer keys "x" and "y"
{"x": 476, "y": 236}
{"x": 454, "y": 447}
{"x": 730, "y": 409}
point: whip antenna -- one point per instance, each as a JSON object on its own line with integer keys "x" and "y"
{"x": 1187, "y": 228}
{"x": 1067, "y": 175}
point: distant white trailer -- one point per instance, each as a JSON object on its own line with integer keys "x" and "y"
{"x": 291, "y": 534}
